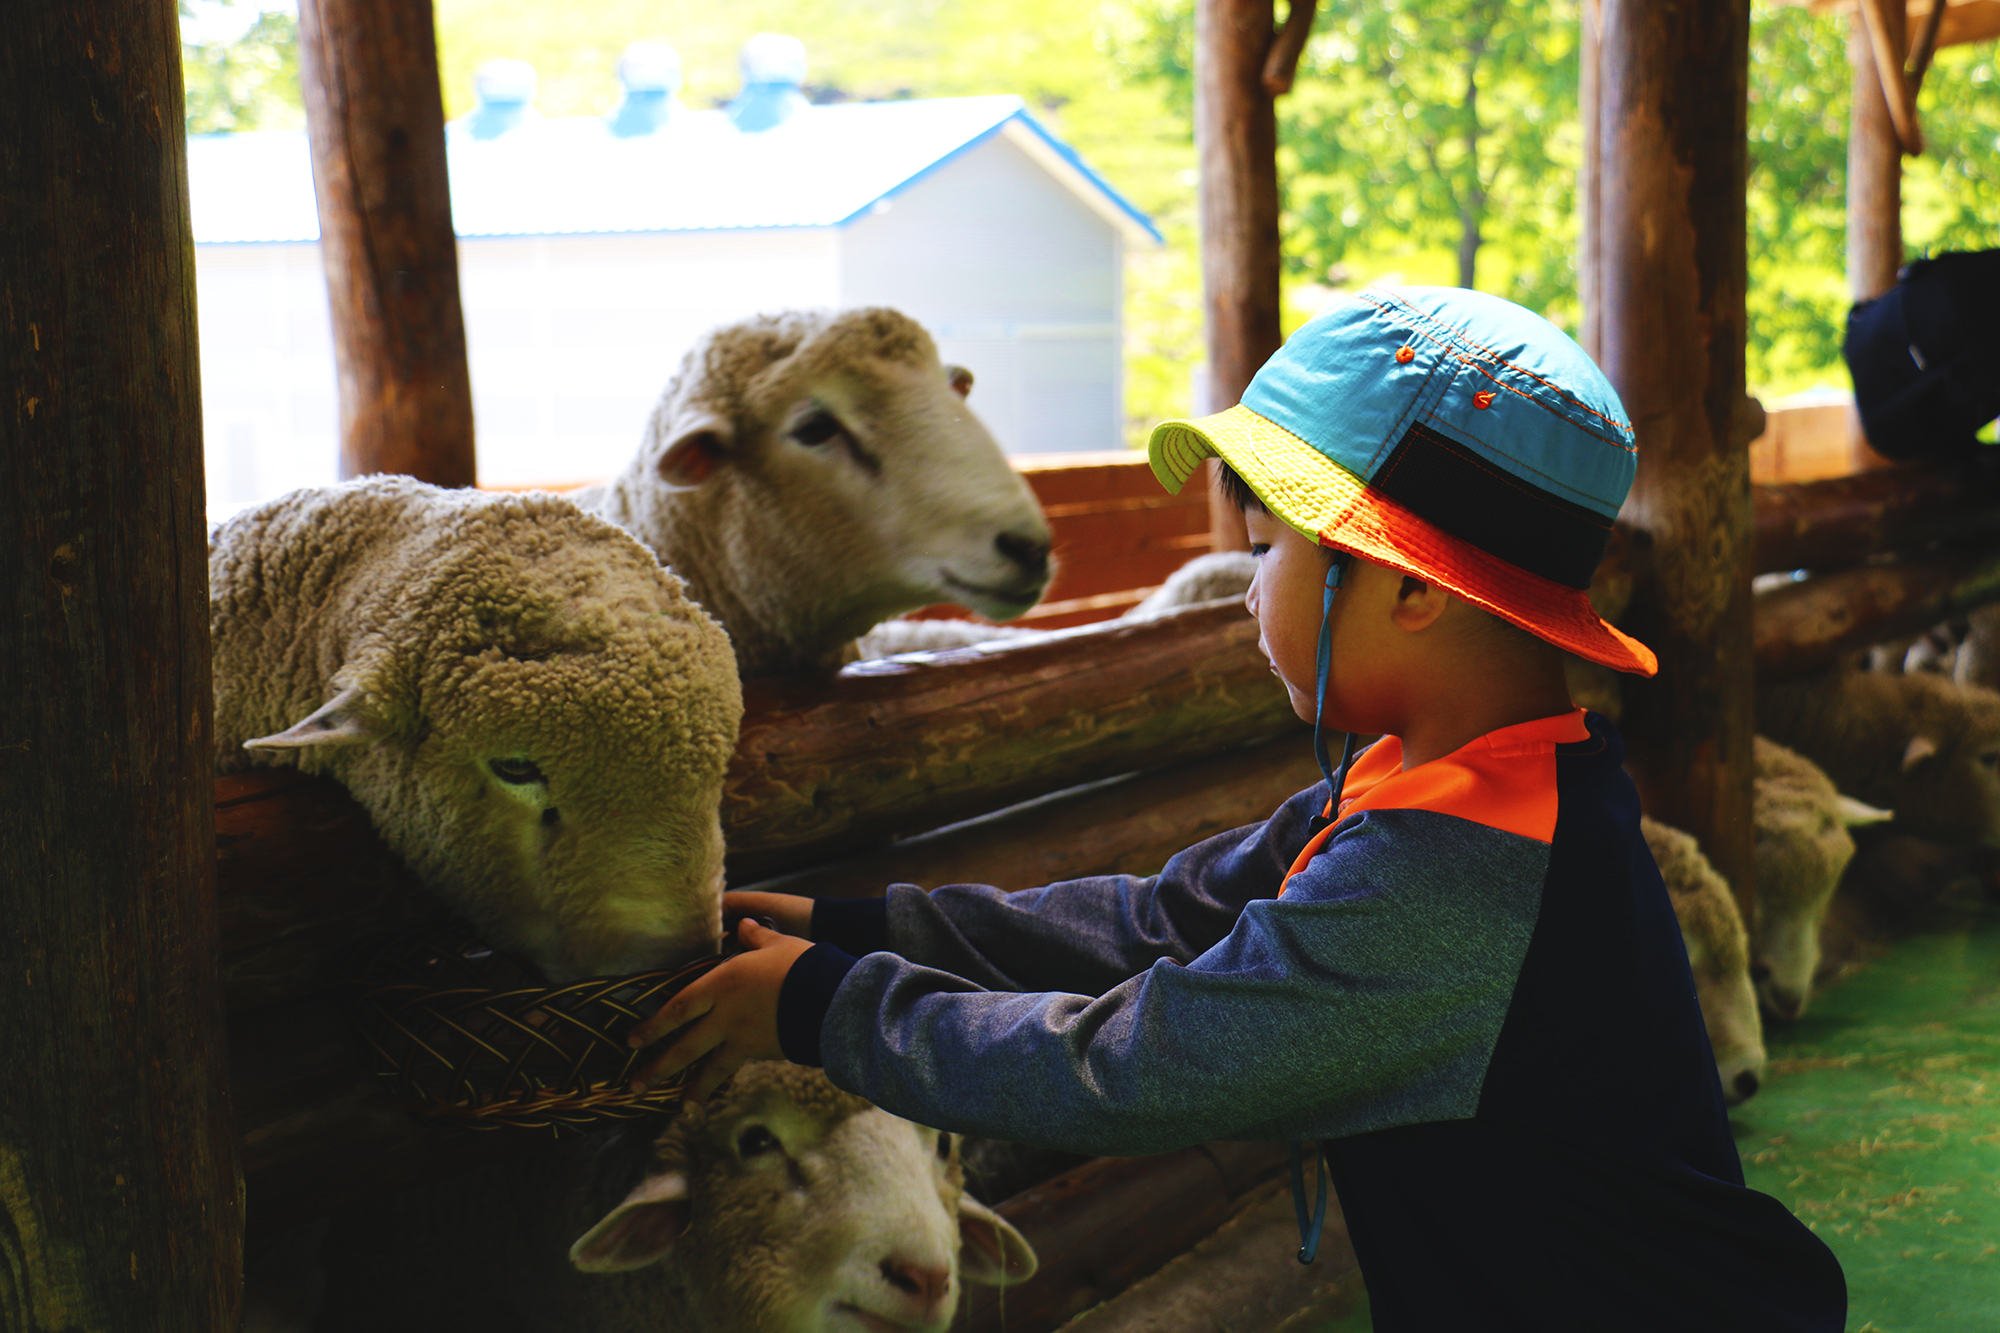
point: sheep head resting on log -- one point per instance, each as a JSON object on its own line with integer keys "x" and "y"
{"x": 785, "y": 1205}
{"x": 1802, "y": 849}
{"x": 533, "y": 713}
{"x": 812, "y": 474}
{"x": 1921, "y": 746}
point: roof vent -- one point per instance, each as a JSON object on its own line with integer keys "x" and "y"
{"x": 506, "y": 90}
{"x": 773, "y": 68}
{"x": 651, "y": 75}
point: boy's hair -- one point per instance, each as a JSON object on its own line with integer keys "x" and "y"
{"x": 1236, "y": 489}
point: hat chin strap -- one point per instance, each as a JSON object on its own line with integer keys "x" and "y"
{"x": 1310, "y": 1224}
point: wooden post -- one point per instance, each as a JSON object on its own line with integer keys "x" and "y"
{"x": 1874, "y": 170}
{"x": 375, "y": 115}
{"x": 118, "y": 1187}
{"x": 1236, "y": 137}
{"x": 1670, "y": 169}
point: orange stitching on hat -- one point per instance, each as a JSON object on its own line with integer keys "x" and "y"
{"x": 1524, "y": 372}
{"x": 1405, "y": 354}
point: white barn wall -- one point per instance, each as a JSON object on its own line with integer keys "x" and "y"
{"x": 1018, "y": 280}
{"x": 269, "y": 392}
{"x": 570, "y": 339}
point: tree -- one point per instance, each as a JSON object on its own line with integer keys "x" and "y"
{"x": 250, "y": 83}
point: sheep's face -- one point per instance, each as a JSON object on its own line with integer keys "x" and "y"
{"x": 545, "y": 745}
{"x": 1951, "y": 784}
{"x": 848, "y": 482}
{"x": 1801, "y": 852}
{"x": 792, "y": 1207}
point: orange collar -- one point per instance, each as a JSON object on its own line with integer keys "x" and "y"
{"x": 1505, "y": 780}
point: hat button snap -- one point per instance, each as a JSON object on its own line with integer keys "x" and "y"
{"x": 1405, "y": 354}
{"x": 1484, "y": 398}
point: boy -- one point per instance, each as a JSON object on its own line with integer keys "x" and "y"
{"x": 1469, "y": 985}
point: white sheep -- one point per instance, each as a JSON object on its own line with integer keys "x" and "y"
{"x": 812, "y": 474}
{"x": 1718, "y": 950}
{"x": 1919, "y": 745}
{"x": 532, "y": 712}
{"x": 1802, "y": 848}
{"x": 785, "y": 1205}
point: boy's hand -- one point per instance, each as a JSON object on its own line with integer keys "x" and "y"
{"x": 731, "y": 1013}
{"x": 787, "y": 911}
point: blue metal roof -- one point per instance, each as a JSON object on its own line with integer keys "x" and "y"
{"x": 825, "y": 166}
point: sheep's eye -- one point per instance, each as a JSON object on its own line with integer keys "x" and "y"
{"x": 755, "y": 1140}
{"x": 516, "y": 772}
{"x": 816, "y": 429}
{"x": 944, "y": 1147}
{"x": 1991, "y": 759}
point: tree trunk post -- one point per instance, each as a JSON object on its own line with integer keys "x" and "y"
{"x": 118, "y": 1184}
{"x": 1874, "y": 185}
{"x": 375, "y": 116}
{"x": 1669, "y": 168}
{"x": 1236, "y": 139}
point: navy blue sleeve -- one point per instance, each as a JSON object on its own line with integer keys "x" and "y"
{"x": 804, "y": 998}
{"x": 859, "y": 926}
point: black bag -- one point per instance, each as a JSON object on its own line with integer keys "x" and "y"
{"x": 1925, "y": 355}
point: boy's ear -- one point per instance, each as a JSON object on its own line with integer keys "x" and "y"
{"x": 1419, "y": 604}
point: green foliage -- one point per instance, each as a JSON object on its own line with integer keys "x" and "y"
{"x": 249, "y": 84}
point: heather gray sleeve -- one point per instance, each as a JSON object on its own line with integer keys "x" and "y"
{"x": 1371, "y": 995}
{"x": 1088, "y": 935}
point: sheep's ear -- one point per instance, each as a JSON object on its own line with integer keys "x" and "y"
{"x": 990, "y": 1251}
{"x": 339, "y": 721}
{"x": 1855, "y": 813}
{"x": 960, "y": 379}
{"x": 638, "y": 1231}
{"x": 700, "y": 441}
{"x": 1919, "y": 749}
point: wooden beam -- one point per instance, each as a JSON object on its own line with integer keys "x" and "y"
{"x": 908, "y": 744}
{"x": 1809, "y": 626}
{"x": 1670, "y": 162}
{"x": 1843, "y": 521}
{"x": 375, "y": 116}
{"x": 118, "y": 1186}
{"x": 1883, "y": 20}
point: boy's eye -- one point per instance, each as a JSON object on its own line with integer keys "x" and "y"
{"x": 1259, "y": 548}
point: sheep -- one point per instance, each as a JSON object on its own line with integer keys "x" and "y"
{"x": 1802, "y": 848}
{"x": 1718, "y": 950}
{"x": 1206, "y": 578}
{"x": 1919, "y": 745}
{"x": 533, "y": 713}
{"x": 810, "y": 475}
{"x": 785, "y": 1205}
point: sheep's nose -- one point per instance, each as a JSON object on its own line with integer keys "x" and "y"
{"x": 927, "y": 1285}
{"x": 1746, "y": 1084}
{"x": 1027, "y": 552}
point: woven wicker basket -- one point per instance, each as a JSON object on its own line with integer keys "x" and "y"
{"x": 469, "y": 1036}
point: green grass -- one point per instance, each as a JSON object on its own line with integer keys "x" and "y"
{"x": 1879, "y": 1126}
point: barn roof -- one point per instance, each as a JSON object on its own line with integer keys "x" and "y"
{"x": 824, "y": 167}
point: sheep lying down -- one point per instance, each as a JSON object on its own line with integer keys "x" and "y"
{"x": 532, "y": 711}
{"x": 811, "y": 474}
{"x": 784, "y": 1205}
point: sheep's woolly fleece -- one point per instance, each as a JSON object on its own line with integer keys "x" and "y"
{"x": 1709, "y": 917}
{"x": 1802, "y": 838}
{"x": 476, "y": 626}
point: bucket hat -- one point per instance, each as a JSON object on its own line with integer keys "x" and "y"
{"x": 1447, "y": 433}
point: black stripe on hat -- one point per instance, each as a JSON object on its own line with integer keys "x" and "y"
{"x": 1446, "y": 484}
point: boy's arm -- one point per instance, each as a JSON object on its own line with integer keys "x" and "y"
{"x": 1371, "y": 995}
{"x": 1083, "y": 935}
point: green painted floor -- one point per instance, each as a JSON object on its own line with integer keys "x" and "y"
{"x": 1879, "y": 1125}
